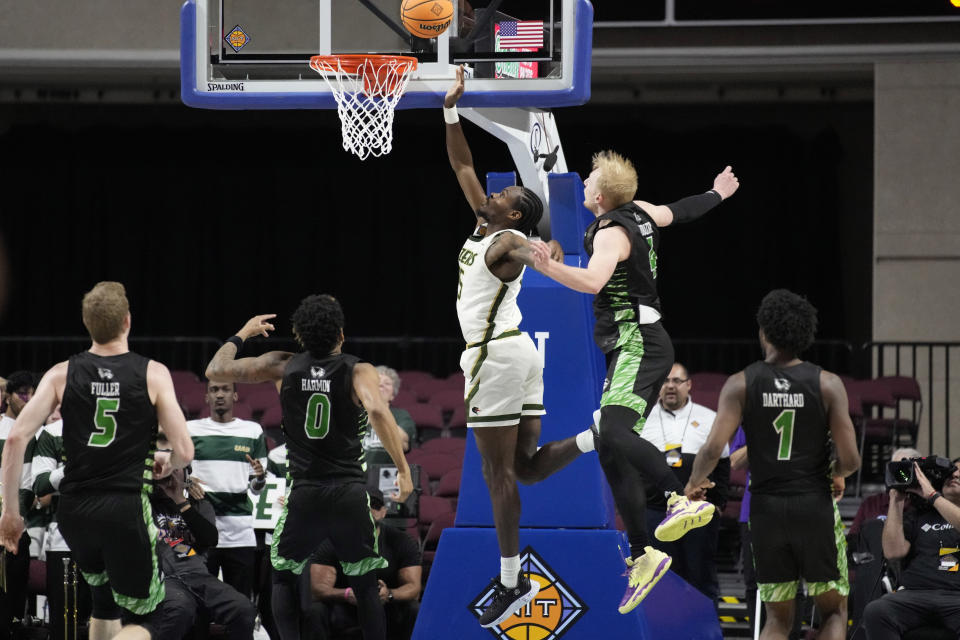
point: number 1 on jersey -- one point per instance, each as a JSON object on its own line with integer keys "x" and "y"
{"x": 784, "y": 426}
{"x": 104, "y": 423}
{"x": 317, "y": 422}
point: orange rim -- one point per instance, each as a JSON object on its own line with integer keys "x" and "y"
{"x": 352, "y": 62}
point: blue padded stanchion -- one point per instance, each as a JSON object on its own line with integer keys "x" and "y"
{"x": 579, "y": 571}
{"x": 567, "y": 539}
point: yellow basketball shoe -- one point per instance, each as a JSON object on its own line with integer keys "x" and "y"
{"x": 682, "y": 516}
{"x": 645, "y": 572}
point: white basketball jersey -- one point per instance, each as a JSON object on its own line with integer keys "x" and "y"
{"x": 486, "y": 305}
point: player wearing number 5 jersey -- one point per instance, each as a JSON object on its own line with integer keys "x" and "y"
{"x": 111, "y": 401}
{"x": 791, "y": 411}
{"x": 326, "y": 397}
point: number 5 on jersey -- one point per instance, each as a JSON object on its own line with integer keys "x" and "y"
{"x": 104, "y": 422}
{"x": 317, "y": 422}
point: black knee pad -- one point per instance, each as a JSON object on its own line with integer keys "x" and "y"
{"x": 104, "y": 606}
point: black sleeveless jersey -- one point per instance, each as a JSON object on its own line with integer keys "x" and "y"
{"x": 324, "y": 427}
{"x": 634, "y": 281}
{"x": 109, "y": 424}
{"x": 788, "y": 437}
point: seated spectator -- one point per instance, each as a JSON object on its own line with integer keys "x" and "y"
{"x": 875, "y": 507}
{"x": 678, "y": 427}
{"x": 187, "y": 528}
{"x": 928, "y": 540}
{"x": 334, "y": 609}
{"x": 389, "y": 387}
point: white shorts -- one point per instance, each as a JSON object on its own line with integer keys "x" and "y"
{"x": 504, "y": 380}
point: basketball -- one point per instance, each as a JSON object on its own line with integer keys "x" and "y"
{"x": 426, "y": 18}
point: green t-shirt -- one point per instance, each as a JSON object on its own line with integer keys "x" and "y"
{"x": 376, "y": 454}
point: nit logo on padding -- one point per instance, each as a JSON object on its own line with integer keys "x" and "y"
{"x": 552, "y": 612}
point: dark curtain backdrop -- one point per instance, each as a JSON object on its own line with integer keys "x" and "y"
{"x": 210, "y": 217}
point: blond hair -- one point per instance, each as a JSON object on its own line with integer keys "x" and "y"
{"x": 617, "y": 180}
{"x": 105, "y": 307}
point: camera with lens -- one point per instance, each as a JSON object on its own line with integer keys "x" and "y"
{"x": 901, "y": 475}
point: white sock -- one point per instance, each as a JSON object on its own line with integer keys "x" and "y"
{"x": 509, "y": 571}
{"x": 585, "y": 441}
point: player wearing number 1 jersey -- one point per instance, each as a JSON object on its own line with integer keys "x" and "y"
{"x": 326, "y": 397}
{"x": 111, "y": 401}
{"x": 791, "y": 411}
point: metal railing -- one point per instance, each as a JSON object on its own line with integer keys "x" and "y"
{"x": 438, "y": 355}
{"x": 929, "y": 364}
{"x": 732, "y": 355}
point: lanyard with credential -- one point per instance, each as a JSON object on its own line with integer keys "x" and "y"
{"x": 674, "y": 451}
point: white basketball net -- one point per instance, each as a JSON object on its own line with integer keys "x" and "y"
{"x": 366, "y": 99}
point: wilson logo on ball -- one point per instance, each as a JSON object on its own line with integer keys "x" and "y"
{"x": 552, "y": 612}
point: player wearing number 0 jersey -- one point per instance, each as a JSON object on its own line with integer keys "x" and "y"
{"x": 326, "y": 397}
{"x": 791, "y": 411}
{"x": 111, "y": 401}
{"x": 501, "y": 365}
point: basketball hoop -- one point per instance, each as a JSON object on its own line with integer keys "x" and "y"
{"x": 367, "y": 89}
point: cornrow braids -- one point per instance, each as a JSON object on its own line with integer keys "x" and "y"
{"x": 530, "y": 207}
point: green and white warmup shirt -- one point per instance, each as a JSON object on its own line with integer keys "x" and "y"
{"x": 277, "y": 461}
{"x": 47, "y": 459}
{"x": 486, "y": 306}
{"x": 220, "y": 461}
{"x": 26, "y": 475}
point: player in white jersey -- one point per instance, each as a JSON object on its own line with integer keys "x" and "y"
{"x": 502, "y": 367}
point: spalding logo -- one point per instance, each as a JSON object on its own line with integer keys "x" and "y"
{"x": 552, "y": 612}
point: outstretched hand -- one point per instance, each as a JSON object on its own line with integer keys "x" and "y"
{"x": 456, "y": 91}
{"x": 726, "y": 184}
{"x": 698, "y": 493}
{"x": 541, "y": 254}
{"x": 257, "y": 325}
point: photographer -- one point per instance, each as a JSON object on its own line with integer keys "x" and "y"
{"x": 187, "y": 527}
{"x": 928, "y": 540}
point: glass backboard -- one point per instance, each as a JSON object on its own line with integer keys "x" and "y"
{"x": 250, "y": 54}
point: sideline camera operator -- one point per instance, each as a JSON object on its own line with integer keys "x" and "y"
{"x": 928, "y": 540}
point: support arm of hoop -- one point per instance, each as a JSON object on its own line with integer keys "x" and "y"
{"x": 385, "y": 19}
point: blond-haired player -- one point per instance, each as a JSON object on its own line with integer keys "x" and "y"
{"x": 622, "y": 243}
{"x": 111, "y": 401}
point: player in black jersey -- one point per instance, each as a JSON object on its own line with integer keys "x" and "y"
{"x": 111, "y": 402}
{"x": 326, "y": 397}
{"x": 622, "y": 244}
{"x": 791, "y": 411}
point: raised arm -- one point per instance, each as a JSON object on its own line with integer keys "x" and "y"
{"x": 895, "y": 544}
{"x": 729, "y": 412}
{"x": 366, "y": 386}
{"x": 170, "y": 417}
{"x": 610, "y": 246}
{"x": 841, "y": 428}
{"x": 31, "y": 418}
{"x": 692, "y": 207}
{"x": 458, "y": 151}
{"x": 226, "y": 367}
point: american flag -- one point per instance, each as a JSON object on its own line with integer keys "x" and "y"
{"x": 521, "y": 35}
